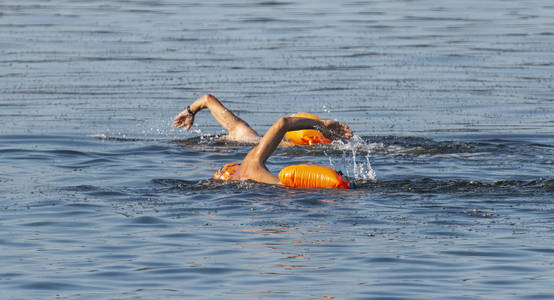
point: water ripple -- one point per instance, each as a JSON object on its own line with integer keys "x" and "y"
{"x": 451, "y": 104}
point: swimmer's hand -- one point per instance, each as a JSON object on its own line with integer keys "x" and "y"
{"x": 184, "y": 119}
{"x": 335, "y": 130}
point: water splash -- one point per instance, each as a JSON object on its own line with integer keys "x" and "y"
{"x": 354, "y": 162}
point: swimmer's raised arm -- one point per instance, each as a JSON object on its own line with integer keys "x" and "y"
{"x": 253, "y": 165}
{"x": 270, "y": 141}
{"x": 238, "y": 129}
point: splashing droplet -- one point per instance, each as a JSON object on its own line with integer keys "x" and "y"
{"x": 355, "y": 162}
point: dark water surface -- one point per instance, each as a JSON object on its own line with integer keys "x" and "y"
{"x": 452, "y": 103}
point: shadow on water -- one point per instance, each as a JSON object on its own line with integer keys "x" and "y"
{"x": 507, "y": 188}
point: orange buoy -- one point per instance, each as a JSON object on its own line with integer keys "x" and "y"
{"x": 307, "y": 136}
{"x": 310, "y": 176}
{"x": 225, "y": 172}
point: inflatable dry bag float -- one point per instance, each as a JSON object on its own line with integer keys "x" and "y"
{"x": 311, "y": 176}
{"x": 299, "y": 176}
{"x": 306, "y": 136}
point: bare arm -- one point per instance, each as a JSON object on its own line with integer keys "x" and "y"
{"x": 238, "y": 129}
{"x": 270, "y": 141}
{"x": 253, "y": 165}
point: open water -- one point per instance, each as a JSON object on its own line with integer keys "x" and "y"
{"x": 452, "y": 103}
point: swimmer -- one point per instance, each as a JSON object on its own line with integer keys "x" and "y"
{"x": 237, "y": 129}
{"x": 253, "y": 165}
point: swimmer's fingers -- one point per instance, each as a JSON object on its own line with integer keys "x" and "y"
{"x": 184, "y": 119}
{"x": 342, "y": 131}
{"x": 189, "y": 121}
{"x": 347, "y": 132}
{"x": 178, "y": 121}
{"x": 337, "y": 130}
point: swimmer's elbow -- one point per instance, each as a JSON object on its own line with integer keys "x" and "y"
{"x": 283, "y": 122}
{"x": 209, "y": 98}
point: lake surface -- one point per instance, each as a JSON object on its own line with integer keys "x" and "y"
{"x": 452, "y": 104}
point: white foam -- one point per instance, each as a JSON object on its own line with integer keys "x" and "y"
{"x": 355, "y": 162}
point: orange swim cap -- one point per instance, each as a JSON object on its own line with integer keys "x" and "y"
{"x": 225, "y": 172}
